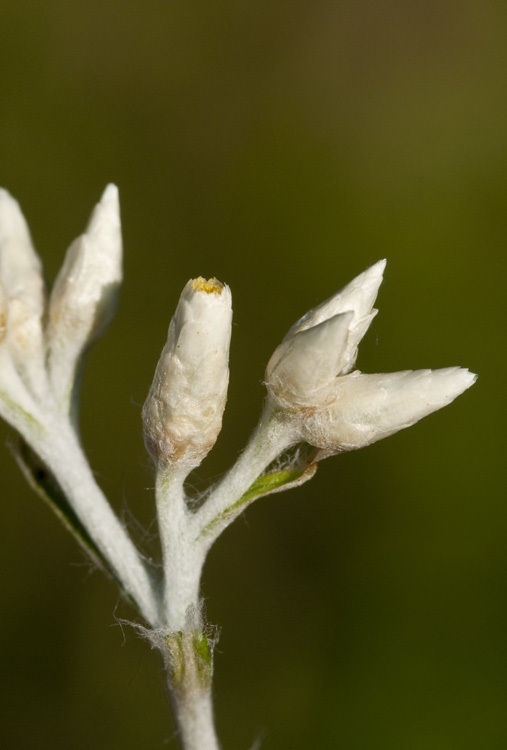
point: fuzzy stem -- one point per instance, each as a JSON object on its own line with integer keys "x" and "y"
{"x": 185, "y": 648}
{"x": 194, "y": 717}
{"x": 182, "y": 559}
{"x": 272, "y": 436}
{"x": 189, "y": 663}
{"x": 62, "y": 453}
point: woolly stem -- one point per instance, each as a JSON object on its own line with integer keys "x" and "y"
{"x": 272, "y": 436}
{"x": 182, "y": 559}
{"x": 185, "y": 647}
{"x": 61, "y": 451}
{"x": 194, "y": 717}
{"x": 189, "y": 664}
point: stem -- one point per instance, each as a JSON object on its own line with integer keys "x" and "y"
{"x": 184, "y": 646}
{"x": 182, "y": 558}
{"x": 63, "y": 454}
{"x": 189, "y": 664}
{"x": 194, "y": 716}
{"x": 183, "y": 643}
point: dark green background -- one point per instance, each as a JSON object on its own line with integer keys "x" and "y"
{"x": 282, "y": 147}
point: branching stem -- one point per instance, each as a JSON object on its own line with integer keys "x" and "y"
{"x": 63, "y": 454}
{"x": 272, "y": 436}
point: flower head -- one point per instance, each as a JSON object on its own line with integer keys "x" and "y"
{"x": 309, "y": 377}
{"x": 323, "y": 344}
{"x": 38, "y": 362}
{"x": 83, "y": 299}
{"x": 368, "y": 408}
{"x": 182, "y": 415}
{"x": 23, "y": 296}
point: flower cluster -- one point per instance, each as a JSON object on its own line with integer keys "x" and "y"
{"x": 334, "y": 408}
{"x": 43, "y": 340}
{"x": 310, "y": 376}
{"x": 314, "y": 396}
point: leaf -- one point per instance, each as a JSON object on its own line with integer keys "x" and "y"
{"x": 276, "y": 481}
{"x": 40, "y": 478}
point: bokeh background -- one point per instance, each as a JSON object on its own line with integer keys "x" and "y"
{"x": 282, "y": 147}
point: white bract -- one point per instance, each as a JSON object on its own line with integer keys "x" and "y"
{"x": 309, "y": 377}
{"x": 182, "y": 415}
{"x": 314, "y": 397}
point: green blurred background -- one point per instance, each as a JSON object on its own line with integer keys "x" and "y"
{"x": 282, "y": 147}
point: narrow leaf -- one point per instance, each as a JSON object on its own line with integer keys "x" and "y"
{"x": 40, "y": 478}
{"x": 276, "y": 481}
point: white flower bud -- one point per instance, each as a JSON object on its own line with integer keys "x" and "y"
{"x": 323, "y": 344}
{"x": 302, "y": 370}
{"x": 20, "y": 266}
{"x": 368, "y": 408}
{"x": 85, "y": 292}
{"x": 3, "y": 313}
{"x": 17, "y": 406}
{"x": 182, "y": 415}
{"x": 334, "y": 409}
{"x": 24, "y": 295}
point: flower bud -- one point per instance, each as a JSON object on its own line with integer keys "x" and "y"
{"x": 85, "y": 292}
{"x": 3, "y": 313}
{"x": 23, "y": 295}
{"x": 368, "y": 408}
{"x": 16, "y": 404}
{"x": 20, "y": 266}
{"x": 182, "y": 415}
{"x": 302, "y": 370}
{"x": 323, "y": 344}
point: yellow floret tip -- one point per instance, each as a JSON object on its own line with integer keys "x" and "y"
{"x": 210, "y": 286}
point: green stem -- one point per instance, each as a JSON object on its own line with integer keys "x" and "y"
{"x": 189, "y": 663}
